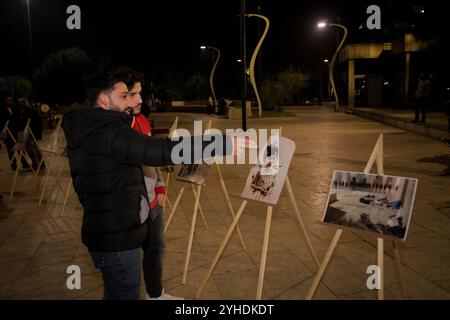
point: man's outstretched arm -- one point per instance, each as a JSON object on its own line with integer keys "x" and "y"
{"x": 129, "y": 146}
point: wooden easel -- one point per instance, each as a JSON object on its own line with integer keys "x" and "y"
{"x": 376, "y": 156}
{"x": 19, "y": 154}
{"x": 54, "y": 151}
{"x": 6, "y": 132}
{"x": 52, "y": 145}
{"x": 197, "y": 207}
{"x": 265, "y": 246}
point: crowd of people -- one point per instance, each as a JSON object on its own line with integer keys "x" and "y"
{"x": 17, "y": 113}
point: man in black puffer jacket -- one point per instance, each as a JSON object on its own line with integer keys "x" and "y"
{"x": 106, "y": 157}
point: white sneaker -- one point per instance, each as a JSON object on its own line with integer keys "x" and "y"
{"x": 163, "y": 296}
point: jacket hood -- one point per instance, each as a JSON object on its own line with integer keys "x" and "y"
{"x": 79, "y": 124}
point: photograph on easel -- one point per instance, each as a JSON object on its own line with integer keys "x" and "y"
{"x": 193, "y": 173}
{"x": 266, "y": 179}
{"x": 379, "y": 204}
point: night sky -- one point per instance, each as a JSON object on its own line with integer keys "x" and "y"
{"x": 166, "y": 35}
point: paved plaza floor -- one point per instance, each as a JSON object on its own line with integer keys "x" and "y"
{"x": 38, "y": 243}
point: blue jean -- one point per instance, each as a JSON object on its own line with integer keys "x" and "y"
{"x": 121, "y": 273}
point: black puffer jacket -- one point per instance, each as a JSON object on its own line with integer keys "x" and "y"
{"x": 105, "y": 157}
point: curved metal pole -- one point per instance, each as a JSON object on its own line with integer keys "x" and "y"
{"x": 253, "y": 60}
{"x": 331, "y": 66}
{"x": 212, "y": 75}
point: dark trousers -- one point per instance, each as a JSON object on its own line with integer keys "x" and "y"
{"x": 420, "y": 107}
{"x": 121, "y": 273}
{"x": 153, "y": 253}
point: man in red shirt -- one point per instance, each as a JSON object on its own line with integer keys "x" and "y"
{"x": 154, "y": 248}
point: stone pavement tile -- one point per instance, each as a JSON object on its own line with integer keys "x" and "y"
{"x": 254, "y": 246}
{"x": 436, "y": 223}
{"x": 234, "y": 263}
{"x": 51, "y": 246}
{"x": 95, "y": 294}
{"x": 29, "y": 230}
{"x": 433, "y": 243}
{"x": 11, "y": 271}
{"x": 361, "y": 254}
{"x": 444, "y": 284}
{"x": 6, "y": 234}
{"x": 363, "y": 295}
{"x": 41, "y": 262}
{"x": 241, "y": 285}
{"x": 306, "y": 258}
{"x": 188, "y": 291}
{"x": 343, "y": 278}
{"x": 19, "y": 249}
{"x": 426, "y": 263}
{"x": 418, "y": 287}
{"x": 174, "y": 261}
{"x": 213, "y": 237}
{"x": 284, "y": 270}
{"x": 299, "y": 292}
{"x": 12, "y": 219}
{"x": 48, "y": 280}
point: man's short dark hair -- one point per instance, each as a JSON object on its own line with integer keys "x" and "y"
{"x": 130, "y": 76}
{"x": 105, "y": 81}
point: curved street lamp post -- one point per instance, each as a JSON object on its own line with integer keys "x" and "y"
{"x": 211, "y": 77}
{"x": 333, "y": 59}
{"x": 253, "y": 60}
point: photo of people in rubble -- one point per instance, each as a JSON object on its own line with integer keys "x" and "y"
{"x": 194, "y": 173}
{"x": 266, "y": 179}
{"x": 369, "y": 202}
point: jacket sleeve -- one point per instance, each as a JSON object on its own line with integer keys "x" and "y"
{"x": 129, "y": 146}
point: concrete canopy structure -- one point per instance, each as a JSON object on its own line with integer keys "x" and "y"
{"x": 383, "y": 69}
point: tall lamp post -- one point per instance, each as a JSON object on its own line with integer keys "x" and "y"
{"x": 30, "y": 37}
{"x": 253, "y": 60}
{"x": 211, "y": 77}
{"x": 333, "y": 59}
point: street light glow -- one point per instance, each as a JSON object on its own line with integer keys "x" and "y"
{"x": 203, "y": 47}
{"x": 325, "y": 60}
{"x": 239, "y": 60}
{"x": 321, "y": 24}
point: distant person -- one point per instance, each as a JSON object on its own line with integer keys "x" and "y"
{"x": 6, "y": 114}
{"x": 422, "y": 98}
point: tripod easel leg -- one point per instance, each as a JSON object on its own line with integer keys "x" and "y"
{"x": 191, "y": 235}
{"x": 18, "y": 159}
{"x": 230, "y": 206}
{"x": 169, "y": 203}
{"x": 262, "y": 266}
{"x": 324, "y": 264}
{"x": 58, "y": 184}
{"x": 167, "y": 192}
{"x": 221, "y": 248}
{"x": 200, "y": 208}
{"x": 49, "y": 168}
{"x": 381, "y": 266}
{"x": 175, "y": 206}
{"x": 300, "y": 221}
{"x": 69, "y": 185}
{"x": 35, "y": 177}
{"x": 398, "y": 270}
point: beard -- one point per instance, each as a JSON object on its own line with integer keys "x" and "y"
{"x": 137, "y": 110}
